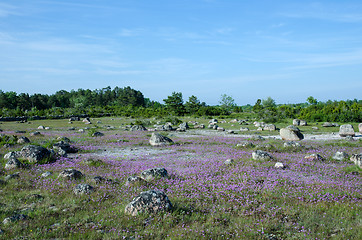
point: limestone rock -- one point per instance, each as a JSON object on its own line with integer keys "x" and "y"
{"x": 303, "y": 123}
{"x": 314, "y": 157}
{"x": 62, "y": 146}
{"x": 244, "y": 129}
{"x": 133, "y": 180}
{"x": 327, "y": 124}
{"x": 279, "y": 165}
{"x": 229, "y": 161}
{"x": 46, "y": 174}
{"x": 291, "y": 133}
{"x": 292, "y": 144}
{"x": 220, "y": 129}
{"x": 296, "y": 122}
{"x": 357, "y": 159}
{"x": 35, "y": 134}
{"x": 22, "y": 140}
{"x": 340, "y": 156}
{"x": 184, "y": 125}
{"x": 97, "y": 134}
{"x": 81, "y": 189}
{"x": 152, "y": 173}
{"x": 70, "y": 174}
{"x": 346, "y": 130}
{"x": 10, "y": 155}
{"x": 159, "y": 140}
{"x": 360, "y": 127}
{"x": 34, "y": 153}
{"x": 152, "y": 201}
{"x": 13, "y": 163}
{"x": 269, "y": 127}
{"x": 15, "y": 218}
{"x": 245, "y": 144}
{"x": 138, "y": 128}
{"x": 261, "y": 155}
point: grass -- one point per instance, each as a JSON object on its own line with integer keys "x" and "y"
{"x": 246, "y": 200}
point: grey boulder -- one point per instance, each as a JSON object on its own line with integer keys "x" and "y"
{"x": 291, "y": 133}
{"x": 152, "y": 201}
{"x": 159, "y": 140}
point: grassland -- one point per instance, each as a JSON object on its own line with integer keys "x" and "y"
{"x": 246, "y": 200}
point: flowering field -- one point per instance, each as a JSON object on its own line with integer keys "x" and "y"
{"x": 248, "y": 199}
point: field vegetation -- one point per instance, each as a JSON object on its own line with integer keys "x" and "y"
{"x": 247, "y": 199}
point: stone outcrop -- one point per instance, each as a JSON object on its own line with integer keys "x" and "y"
{"x": 152, "y": 201}
{"x": 159, "y": 140}
{"x": 153, "y": 173}
{"x": 35, "y": 154}
{"x": 291, "y": 133}
{"x": 261, "y": 155}
{"x": 346, "y": 130}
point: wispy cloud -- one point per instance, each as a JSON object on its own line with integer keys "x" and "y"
{"x": 334, "y": 12}
{"x": 126, "y": 32}
{"x": 7, "y": 10}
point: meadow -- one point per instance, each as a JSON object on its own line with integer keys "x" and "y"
{"x": 248, "y": 199}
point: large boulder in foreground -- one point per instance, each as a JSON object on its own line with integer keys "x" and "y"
{"x": 35, "y": 154}
{"x": 346, "y": 130}
{"x": 152, "y": 201}
{"x": 159, "y": 140}
{"x": 291, "y": 133}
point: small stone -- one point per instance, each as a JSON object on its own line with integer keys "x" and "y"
{"x": 12, "y": 176}
{"x": 279, "y": 165}
{"x": 22, "y": 140}
{"x": 81, "y": 189}
{"x": 133, "y": 180}
{"x": 97, "y": 134}
{"x": 70, "y": 174}
{"x": 152, "y": 173}
{"x": 357, "y": 159}
{"x": 314, "y": 157}
{"x": 261, "y": 155}
{"x": 292, "y": 144}
{"x": 340, "y": 156}
{"x": 46, "y": 174}
{"x": 229, "y": 161}
{"x": 13, "y": 163}
{"x": 15, "y": 218}
{"x": 35, "y": 134}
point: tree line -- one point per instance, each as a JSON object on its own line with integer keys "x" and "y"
{"x": 130, "y": 102}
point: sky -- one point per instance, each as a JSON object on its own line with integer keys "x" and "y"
{"x": 288, "y": 50}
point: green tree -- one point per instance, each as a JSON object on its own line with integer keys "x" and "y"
{"x": 257, "y": 107}
{"x": 311, "y": 100}
{"x": 227, "y": 102}
{"x": 193, "y": 105}
{"x": 174, "y": 103}
{"x": 268, "y": 103}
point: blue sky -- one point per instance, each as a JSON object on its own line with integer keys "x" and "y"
{"x": 288, "y": 50}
